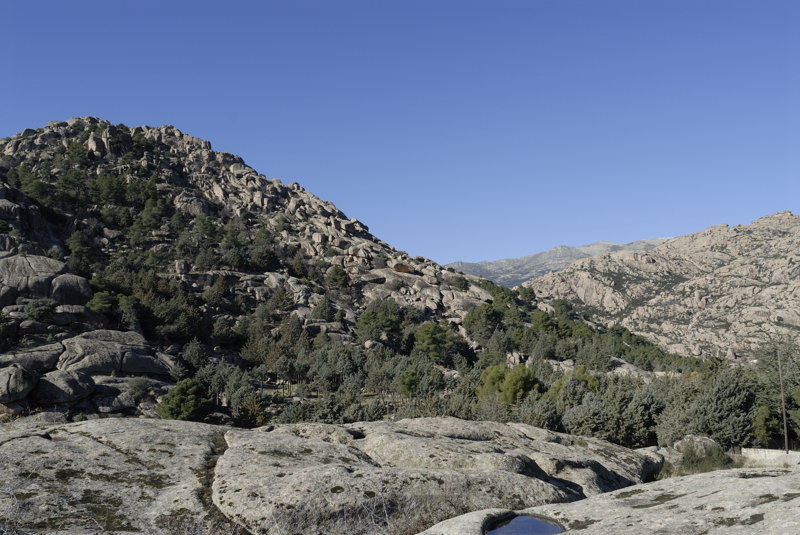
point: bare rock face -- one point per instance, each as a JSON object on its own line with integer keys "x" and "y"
{"x": 61, "y": 386}
{"x": 111, "y": 476}
{"x": 104, "y": 352}
{"x": 27, "y": 276}
{"x": 42, "y": 358}
{"x": 167, "y": 477}
{"x": 744, "y": 501}
{"x": 511, "y": 447}
{"x": 22, "y": 214}
{"x": 722, "y": 291}
{"x": 749, "y": 501}
{"x": 298, "y": 478}
{"x": 15, "y": 383}
{"x": 70, "y": 289}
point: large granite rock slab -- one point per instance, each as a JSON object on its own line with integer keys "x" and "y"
{"x": 27, "y": 276}
{"x": 758, "y": 500}
{"x": 15, "y": 383}
{"x": 167, "y": 477}
{"x": 590, "y": 466}
{"x": 106, "y": 476}
{"x": 68, "y": 289}
{"x": 104, "y": 352}
{"x": 60, "y": 386}
{"x": 743, "y": 501}
{"x": 38, "y": 359}
{"x": 301, "y": 478}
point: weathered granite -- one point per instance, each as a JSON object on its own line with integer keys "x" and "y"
{"x": 15, "y": 383}
{"x": 104, "y": 352}
{"x": 40, "y": 358}
{"x": 742, "y": 501}
{"x": 27, "y": 276}
{"x": 302, "y": 477}
{"x": 750, "y": 501}
{"x": 109, "y": 476}
{"x": 724, "y": 291}
{"x": 62, "y": 386}
{"x": 155, "y": 475}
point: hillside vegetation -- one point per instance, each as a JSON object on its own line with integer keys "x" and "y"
{"x": 143, "y": 273}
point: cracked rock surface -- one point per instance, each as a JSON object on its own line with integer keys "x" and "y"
{"x": 111, "y": 475}
{"x": 119, "y": 475}
{"x": 306, "y": 478}
{"x": 743, "y": 501}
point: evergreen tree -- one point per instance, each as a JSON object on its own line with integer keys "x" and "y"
{"x": 186, "y": 401}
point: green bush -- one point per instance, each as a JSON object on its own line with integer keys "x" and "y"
{"x": 102, "y": 303}
{"x": 186, "y": 401}
{"x": 337, "y": 278}
{"x": 40, "y": 309}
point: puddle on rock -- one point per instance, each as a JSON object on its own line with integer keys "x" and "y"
{"x": 525, "y": 525}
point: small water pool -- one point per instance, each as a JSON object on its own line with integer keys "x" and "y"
{"x": 525, "y": 525}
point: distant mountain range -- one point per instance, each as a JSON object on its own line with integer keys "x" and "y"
{"x": 722, "y": 291}
{"x": 514, "y": 271}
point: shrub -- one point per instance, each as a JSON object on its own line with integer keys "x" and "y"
{"x": 710, "y": 458}
{"x": 337, "y": 278}
{"x": 195, "y": 354}
{"x": 139, "y": 388}
{"x": 460, "y": 283}
{"x": 102, "y": 303}
{"x": 40, "y": 309}
{"x": 186, "y": 401}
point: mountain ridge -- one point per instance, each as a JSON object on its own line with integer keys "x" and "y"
{"x": 512, "y": 272}
{"x": 720, "y": 291}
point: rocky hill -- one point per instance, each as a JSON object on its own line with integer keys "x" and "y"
{"x": 723, "y": 291}
{"x": 119, "y": 245}
{"x": 514, "y": 271}
{"x": 66, "y": 162}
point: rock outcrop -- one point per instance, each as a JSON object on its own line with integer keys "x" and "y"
{"x": 34, "y": 277}
{"x": 61, "y": 386}
{"x": 341, "y": 470}
{"x": 55, "y": 234}
{"x": 37, "y": 359}
{"x": 514, "y": 271}
{"x": 198, "y": 181}
{"x": 62, "y": 373}
{"x": 742, "y": 501}
{"x": 157, "y": 475}
{"x": 105, "y": 352}
{"x": 723, "y": 291}
{"x": 15, "y": 383}
{"x": 114, "y": 475}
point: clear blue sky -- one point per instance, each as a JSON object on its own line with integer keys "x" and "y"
{"x": 455, "y": 129}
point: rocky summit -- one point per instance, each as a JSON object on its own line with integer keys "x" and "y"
{"x": 724, "y": 291}
{"x": 156, "y": 476}
{"x": 514, "y": 271}
{"x": 118, "y": 245}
